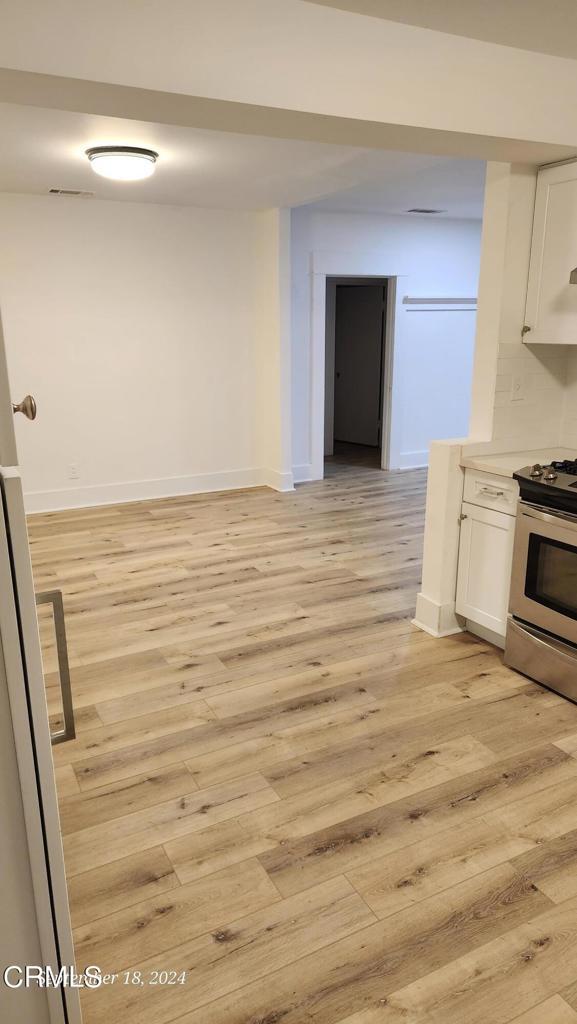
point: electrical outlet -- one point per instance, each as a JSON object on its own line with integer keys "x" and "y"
{"x": 518, "y": 388}
{"x": 73, "y": 471}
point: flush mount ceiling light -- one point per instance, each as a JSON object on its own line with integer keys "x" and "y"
{"x": 122, "y": 163}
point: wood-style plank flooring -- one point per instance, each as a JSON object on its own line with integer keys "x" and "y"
{"x": 282, "y": 788}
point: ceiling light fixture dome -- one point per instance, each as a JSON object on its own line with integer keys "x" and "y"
{"x": 122, "y": 163}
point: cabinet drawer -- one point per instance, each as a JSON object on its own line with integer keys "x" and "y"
{"x": 489, "y": 491}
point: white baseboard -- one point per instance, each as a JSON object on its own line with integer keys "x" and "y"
{"x": 278, "y": 481}
{"x": 142, "y": 490}
{"x": 437, "y": 619}
{"x": 302, "y": 473}
{"x": 414, "y": 460}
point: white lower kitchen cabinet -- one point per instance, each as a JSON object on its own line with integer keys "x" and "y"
{"x": 484, "y": 573}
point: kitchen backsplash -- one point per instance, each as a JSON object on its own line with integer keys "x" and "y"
{"x": 570, "y": 411}
{"x": 531, "y": 395}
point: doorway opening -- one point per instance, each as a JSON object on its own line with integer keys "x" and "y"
{"x": 355, "y": 350}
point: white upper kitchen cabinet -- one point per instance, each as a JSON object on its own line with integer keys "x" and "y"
{"x": 551, "y": 311}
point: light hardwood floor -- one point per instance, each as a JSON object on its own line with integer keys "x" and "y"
{"x": 283, "y": 788}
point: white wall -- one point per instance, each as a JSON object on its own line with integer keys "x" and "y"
{"x": 273, "y": 371}
{"x": 138, "y": 329}
{"x": 440, "y": 258}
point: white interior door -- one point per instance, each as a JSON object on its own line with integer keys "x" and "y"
{"x": 35, "y": 889}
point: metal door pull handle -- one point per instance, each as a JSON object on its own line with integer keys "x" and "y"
{"x": 491, "y": 491}
{"x": 54, "y": 597}
{"x": 27, "y": 406}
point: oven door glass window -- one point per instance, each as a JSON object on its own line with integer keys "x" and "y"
{"x": 552, "y": 575}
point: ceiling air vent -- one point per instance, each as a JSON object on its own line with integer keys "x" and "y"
{"x": 77, "y": 192}
{"x": 424, "y": 209}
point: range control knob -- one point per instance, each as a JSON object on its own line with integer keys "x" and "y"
{"x": 550, "y": 473}
{"x": 536, "y": 470}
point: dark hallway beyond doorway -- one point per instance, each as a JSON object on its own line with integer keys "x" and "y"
{"x": 356, "y": 311}
{"x": 359, "y": 334}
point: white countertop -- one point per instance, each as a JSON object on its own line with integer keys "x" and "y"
{"x": 509, "y": 462}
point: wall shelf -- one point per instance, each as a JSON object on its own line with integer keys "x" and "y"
{"x": 439, "y": 301}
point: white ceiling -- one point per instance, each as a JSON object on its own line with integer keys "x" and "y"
{"x": 538, "y": 25}
{"x": 454, "y": 186}
{"x": 43, "y": 149}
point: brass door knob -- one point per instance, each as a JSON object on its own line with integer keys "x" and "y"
{"x": 27, "y": 406}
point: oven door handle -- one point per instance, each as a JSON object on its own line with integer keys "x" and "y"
{"x": 536, "y": 512}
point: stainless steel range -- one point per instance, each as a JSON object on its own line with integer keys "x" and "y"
{"x": 542, "y": 626}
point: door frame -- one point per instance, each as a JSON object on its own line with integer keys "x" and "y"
{"x": 366, "y": 265}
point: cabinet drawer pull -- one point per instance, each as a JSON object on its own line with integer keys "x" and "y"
{"x": 493, "y": 492}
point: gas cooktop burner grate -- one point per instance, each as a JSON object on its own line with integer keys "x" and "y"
{"x": 568, "y": 466}
{"x": 553, "y": 485}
